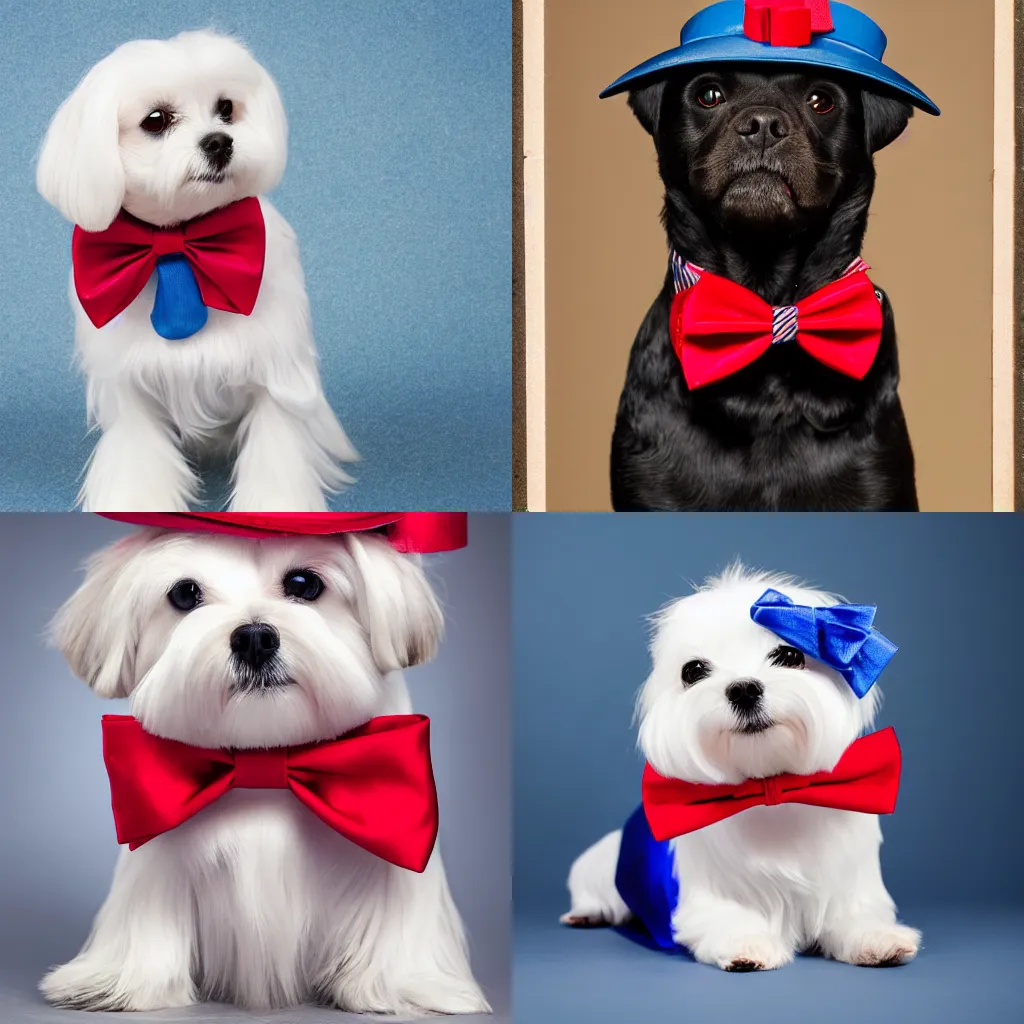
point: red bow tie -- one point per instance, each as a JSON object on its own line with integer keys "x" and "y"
{"x": 374, "y": 785}
{"x": 225, "y": 250}
{"x": 866, "y": 779}
{"x": 719, "y": 327}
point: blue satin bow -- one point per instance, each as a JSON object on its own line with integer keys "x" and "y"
{"x": 841, "y": 636}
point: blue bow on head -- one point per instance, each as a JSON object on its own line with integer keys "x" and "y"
{"x": 841, "y": 636}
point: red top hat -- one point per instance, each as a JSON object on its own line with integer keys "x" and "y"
{"x": 408, "y": 532}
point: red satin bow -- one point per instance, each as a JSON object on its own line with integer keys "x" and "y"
{"x": 866, "y": 779}
{"x": 225, "y": 250}
{"x": 786, "y": 22}
{"x": 719, "y": 327}
{"x": 374, "y": 785}
{"x": 408, "y": 532}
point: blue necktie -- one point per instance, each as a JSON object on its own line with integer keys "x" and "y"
{"x": 178, "y": 311}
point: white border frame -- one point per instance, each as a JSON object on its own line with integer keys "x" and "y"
{"x": 1003, "y": 177}
{"x": 535, "y": 264}
{"x": 1003, "y": 237}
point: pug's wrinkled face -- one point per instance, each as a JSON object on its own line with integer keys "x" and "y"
{"x": 765, "y": 150}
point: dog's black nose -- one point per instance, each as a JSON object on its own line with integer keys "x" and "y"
{"x": 217, "y": 146}
{"x": 763, "y": 127}
{"x": 255, "y": 643}
{"x": 744, "y": 694}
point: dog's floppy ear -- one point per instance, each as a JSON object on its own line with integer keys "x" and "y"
{"x": 94, "y": 628}
{"x": 885, "y": 119}
{"x": 79, "y": 169}
{"x": 267, "y": 110}
{"x": 646, "y": 104}
{"x": 396, "y": 603}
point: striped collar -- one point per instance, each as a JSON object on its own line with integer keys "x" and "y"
{"x": 685, "y": 274}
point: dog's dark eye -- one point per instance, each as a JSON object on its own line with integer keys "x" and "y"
{"x": 156, "y": 122}
{"x": 303, "y": 584}
{"x": 710, "y": 96}
{"x": 821, "y": 102}
{"x": 225, "y": 110}
{"x": 185, "y": 595}
{"x": 787, "y": 657}
{"x": 695, "y": 671}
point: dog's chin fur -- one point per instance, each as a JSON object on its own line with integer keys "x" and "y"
{"x": 760, "y": 202}
{"x": 760, "y": 886}
{"x": 246, "y": 385}
{"x": 255, "y": 900}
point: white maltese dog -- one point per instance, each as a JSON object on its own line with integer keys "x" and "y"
{"x": 728, "y": 867}
{"x": 229, "y": 644}
{"x": 192, "y": 326}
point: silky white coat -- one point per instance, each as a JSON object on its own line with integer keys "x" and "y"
{"x": 769, "y": 882}
{"x": 255, "y": 900}
{"x": 243, "y": 385}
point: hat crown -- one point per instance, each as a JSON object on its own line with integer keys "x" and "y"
{"x": 852, "y": 27}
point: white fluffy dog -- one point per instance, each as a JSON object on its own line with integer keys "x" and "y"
{"x": 255, "y": 900}
{"x": 169, "y": 131}
{"x": 764, "y": 884}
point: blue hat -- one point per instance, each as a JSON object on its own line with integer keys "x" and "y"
{"x": 808, "y": 32}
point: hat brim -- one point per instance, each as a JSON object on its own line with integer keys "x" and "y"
{"x": 411, "y": 532}
{"x": 823, "y": 52}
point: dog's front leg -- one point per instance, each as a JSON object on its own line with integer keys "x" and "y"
{"x": 140, "y": 952}
{"x": 402, "y": 950}
{"x": 860, "y": 924}
{"x": 137, "y": 466}
{"x": 729, "y": 935}
{"x": 281, "y": 465}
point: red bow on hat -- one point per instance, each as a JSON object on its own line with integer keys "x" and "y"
{"x": 374, "y": 785}
{"x": 719, "y": 327}
{"x": 408, "y": 532}
{"x": 866, "y": 779}
{"x": 225, "y": 250}
{"x": 786, "y": 22}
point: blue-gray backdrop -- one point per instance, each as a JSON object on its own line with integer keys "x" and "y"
{"x": 398, "y": 185}
{"x": 948, "y": 591}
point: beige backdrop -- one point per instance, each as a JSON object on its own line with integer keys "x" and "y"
{"x": 929, "y": 238}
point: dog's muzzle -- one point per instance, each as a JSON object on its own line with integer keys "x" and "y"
{"x": 217, "y": 147}
{"x": 254, "y": 649}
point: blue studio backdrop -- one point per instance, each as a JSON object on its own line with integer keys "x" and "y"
{"x": 398, "y": 185}
{"x": 948, "y": 591}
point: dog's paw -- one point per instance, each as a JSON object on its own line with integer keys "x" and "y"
{"x": 417, "y": 996}
{"x": 447, "y": 995}
{"x": 751, "y": 953}
{"x": 85, "y": 985}
{"x": 586, "y": 919}
{"x": 885, "y": 946}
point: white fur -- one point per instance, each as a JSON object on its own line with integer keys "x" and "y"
{"x": 769, "y": 882}
{"x": 255, "y": 900}
{"x": 243, "y": 384}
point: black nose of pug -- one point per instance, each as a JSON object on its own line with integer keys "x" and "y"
{"x": 763, "y": 127}
{"x": 255, "y": 644}
{"x": 217, "y": 147}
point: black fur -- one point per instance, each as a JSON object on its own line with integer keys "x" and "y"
{"x": 764, "y": 190}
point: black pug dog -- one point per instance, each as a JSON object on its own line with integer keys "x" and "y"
{"x": 768, "y": 178}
